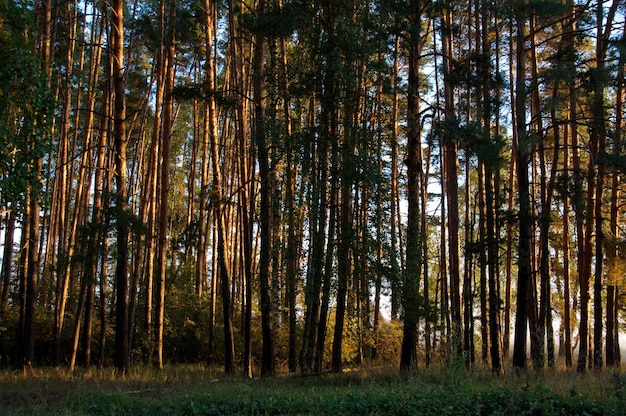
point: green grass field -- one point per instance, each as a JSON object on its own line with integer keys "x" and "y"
{"x": 200, "y": 391}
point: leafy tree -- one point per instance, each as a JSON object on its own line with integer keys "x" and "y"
{"x": 24, "y": 127}
{"x": 25, "y": 95}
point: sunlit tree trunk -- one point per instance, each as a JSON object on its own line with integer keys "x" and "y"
{"x": 96, "y": 219}
{"x": 87, "y": 292}
{"x": 122, "y": 355}
{"x": 164, "y": 173}
{"x": 209, "y": 135}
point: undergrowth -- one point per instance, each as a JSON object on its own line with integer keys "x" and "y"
{"x": 201, "y": 391}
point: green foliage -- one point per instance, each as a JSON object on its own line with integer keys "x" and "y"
{"x": 277, "y": 21}
{"x": 195, "y": 391}
{"x": 27, "y": 106}
{"x": 186, "y": 320}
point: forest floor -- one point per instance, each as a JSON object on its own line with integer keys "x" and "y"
{"x": 197, "y": 390}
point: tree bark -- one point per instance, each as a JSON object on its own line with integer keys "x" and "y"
{"x": 7, "y": 260}
{"x": 411, "y": 298}
{"x": 164, "y": 174}
{"x": 613, "y": 251}
{"x": 598, "y": 149}
{"x": 122, "y": 355}
{"x": 450, "y": 151}
{"x": 524, "y": 150}
{"x": 265, "y": 176}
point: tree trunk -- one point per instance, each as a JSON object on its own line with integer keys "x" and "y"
{"x": 318, "y": 216}
{"x": 293, "y": 220}
{"x": 218, "y": 205}
{"x": 411, "y": 298}
{"x": 613, "y": 250}
{"x": 122, "y": 355}
{"x": 468, "y": 295}
{"x": 328, "y": 272}
{"x": 524, "y": 150}
{"x": 482, "y": 262}
{"x": 597, "y": 149}
{"x": 265, "y": 227}
{"x": 344, "y": 263}
{"x": 7, "y": 259}
{"x": 396, "y": 272}
{"x": 490, "y": 166}
{"x": 450, "y": 151}
{"x": 209, "y": 135}
{"x": 164, "y": 174}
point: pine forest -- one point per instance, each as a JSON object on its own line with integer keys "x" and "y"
{"x": 274, "y": 186}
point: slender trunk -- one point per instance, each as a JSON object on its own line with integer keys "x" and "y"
{"x": 536, "y": 319}
{"x": 122, "y": 355}
{"x": 219, "y": 215}
{"x": 613, "y": 250}
{"x": 93, "y": 237}
{"x": 424, "y": 246}
{"x": 468, "y": 295}
{"x": 396, "y": 274}
{"x": 265, "y": 227}
{"x": 450, "y": 150}
{"x": 547, "y": 193}
{"x": 379, "y": 250}
{"x": 567, "y": 322}
{"x": 101, "y": 204}
{"x": 493, "y": 272}
{"x": 524, "y": 150}
{"x": 293, "y": 223}
{"x": 569, "y": 135}
{"x": 238, "y": 74}
{"x": 318, "y": 215}
{"x": 344, "y": 264}
{"x": 598, "y": 149}
{"x": 509, "y": 227}
{"x": 408, "y": 358}
{"x": 209, "y": 134}
{"x": 328, "y": 272}
{"x": 29, "y": 292}
{"x": 7, "y": 260}
{"x": 166, "y": 144}
{"x": 482, "y": 261}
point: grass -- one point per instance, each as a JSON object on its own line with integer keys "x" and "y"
{"x": 194, "y": 390}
